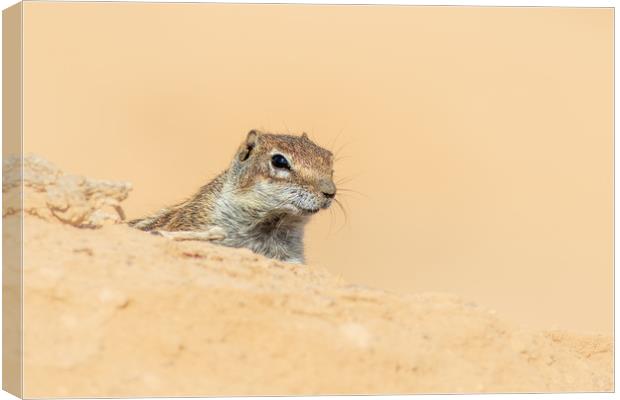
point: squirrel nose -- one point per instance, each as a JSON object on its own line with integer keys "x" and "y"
{"x": 328, "y": 189}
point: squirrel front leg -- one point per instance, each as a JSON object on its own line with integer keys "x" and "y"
{"x": 211, "y": 234}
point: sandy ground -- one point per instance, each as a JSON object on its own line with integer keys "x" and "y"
{"x": 111, "y": 311}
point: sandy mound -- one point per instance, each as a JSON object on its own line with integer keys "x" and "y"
{"x": 113, "y": 311}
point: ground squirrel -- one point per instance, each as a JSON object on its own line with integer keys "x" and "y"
{"x": 261, "y": 202}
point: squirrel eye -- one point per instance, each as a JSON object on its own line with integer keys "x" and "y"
{"x": 279, "y": 161}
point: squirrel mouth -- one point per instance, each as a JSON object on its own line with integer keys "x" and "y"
{"x": 309, "y": 210}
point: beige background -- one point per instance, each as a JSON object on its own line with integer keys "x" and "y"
{"x": 480, "y": 138}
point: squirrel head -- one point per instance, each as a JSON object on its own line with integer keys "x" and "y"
{"x": 284, "y": 173}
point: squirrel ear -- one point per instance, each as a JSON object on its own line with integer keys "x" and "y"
{"x": 304, "y": 136}
{"x": 250, "y": 142}
{"x": 252, "y": 136}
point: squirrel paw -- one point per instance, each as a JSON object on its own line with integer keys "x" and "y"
{"x": 211, "y": 234}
